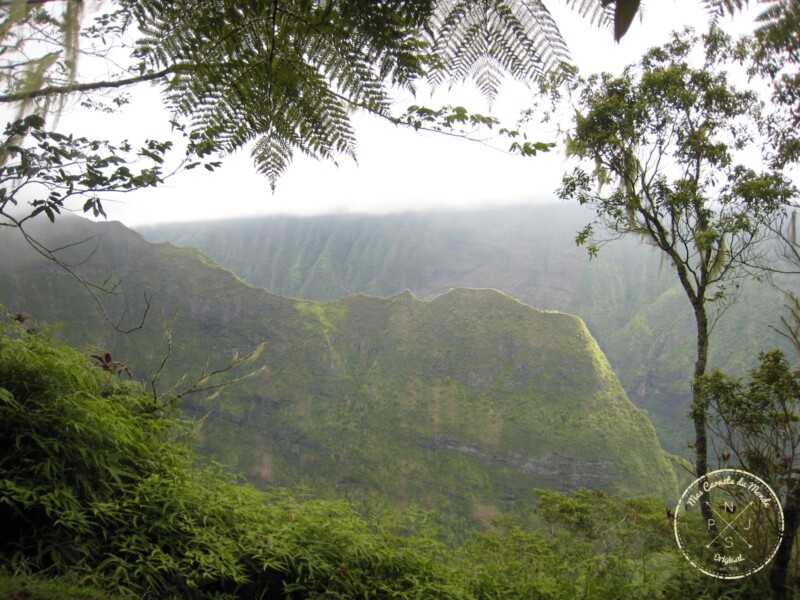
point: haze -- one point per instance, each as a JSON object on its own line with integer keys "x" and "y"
{"x": 398, "y": 169}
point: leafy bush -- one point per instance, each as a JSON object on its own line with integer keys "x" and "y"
{"x": 101, "y": 496}
{"x": 95, "y": 481}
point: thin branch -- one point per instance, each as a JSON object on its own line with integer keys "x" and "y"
{"x": 168, "y": 334}
{"x": 172, "y": 395}
{"x": 97, "y": 236}
{"x": 87, "y": 87}
{"x": 87, "y": 285}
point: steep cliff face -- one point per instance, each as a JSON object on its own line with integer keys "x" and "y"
{"x": 630, "y": 300}
{"x": 463, "y": 403}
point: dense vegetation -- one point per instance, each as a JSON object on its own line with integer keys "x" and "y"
{"x": 102, "y": 496}
{"x": 629, "y": 300}
{"x": 97, "y": 483}
{"x": 463, "y": 403}
{"x": 100, "y": 491}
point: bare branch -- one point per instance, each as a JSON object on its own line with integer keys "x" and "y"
{"x": 92, "y": 288}
{"x": 57, "y": 90}
{"x": 202, "y": 384}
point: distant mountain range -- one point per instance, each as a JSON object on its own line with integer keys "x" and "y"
{"x": 630, "y": 301}
{"x": 463, "y": 403}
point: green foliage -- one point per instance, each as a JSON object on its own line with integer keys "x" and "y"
{"x": 667, "y": 135}
{"x": 461, "y": 404}
{"x": 39, "y": 587}
{"x": 68, "y": 167}
{"x": 757, "y": 426}
{"x": 286, "y": 76}
{"x": 95, "y": 483}
{"x": 633, "y": 307}
{"x": 664, "y": 110}
{"x": 758, "y": 421}
{"x": 514, "y": 562}
{"x": 282, "y": 76}
{"x": 587, "y": 545}
{"x": 485, "y": 39}
{"x": 776, "y": 56}
{"x": 101, "y": 497}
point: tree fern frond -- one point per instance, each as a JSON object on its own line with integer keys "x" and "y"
{"x": 272, "y": 155}
{"x": 597, "y": 12}
{"x": 482, "y": 39}
{"x": 780, "y": 17}
{"x": 288, "y": 73}
{"x": 776, "y": 39}
{"x": 719, "y": 8}
{"x": 283, "y": 74}
{"x": 772, "y": 13}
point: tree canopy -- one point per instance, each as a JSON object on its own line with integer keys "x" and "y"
{"x": 665, "y": 140}
{"x": 284, "y": 75}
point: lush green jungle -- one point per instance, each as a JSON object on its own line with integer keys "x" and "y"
{"x": 103, "y": 498}
{"x": 468, "y": 445}
{"x": 627, "y": 296}
{"x": 597, "y": 398}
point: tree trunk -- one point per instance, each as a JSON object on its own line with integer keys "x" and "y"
{"x": 698, "y": 410}
{"x": 779, "y": 571}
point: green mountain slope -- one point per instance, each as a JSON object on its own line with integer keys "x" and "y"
{"x": 524, "y": 251}
{"x": 463, "y": 403}
{"x": 631, "y": 303}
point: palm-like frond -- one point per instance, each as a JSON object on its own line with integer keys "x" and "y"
{"x": 484, "y": 40}
{"x": 284, "y": 74}
{"x": 720, "y": 8}
{"x": 780, "y": 21}
{"x": 776, "y": 55}
{"x": 597, "y": 12}
{"x": 621, "y": 15}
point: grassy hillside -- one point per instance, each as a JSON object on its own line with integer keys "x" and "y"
{"x": 630, "y": 301}
{"x": 463, "y": 403}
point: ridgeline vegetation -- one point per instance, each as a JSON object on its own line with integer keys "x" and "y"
{"x": 102, "y": 497}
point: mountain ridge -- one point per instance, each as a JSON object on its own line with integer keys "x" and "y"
{"x": 631, "y": 303}
{"x": 463, "y": 403}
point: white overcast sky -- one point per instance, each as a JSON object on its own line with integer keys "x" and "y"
{"x": 398, "y": 169}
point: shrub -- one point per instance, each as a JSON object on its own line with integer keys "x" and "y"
{"x": 95, "y": 481}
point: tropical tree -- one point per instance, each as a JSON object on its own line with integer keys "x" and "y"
{"x": 283, "y": 75}
{"x": 758, "y": 424}
{"x": 665, "y": 140}
{"x": 775, "y": 55}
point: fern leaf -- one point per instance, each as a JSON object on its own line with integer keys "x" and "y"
{"x": 483, "y": 40}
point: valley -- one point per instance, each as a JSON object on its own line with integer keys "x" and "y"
{"x": 464, "y": 403}
{"x": 629, "y": 300}
{"x": 545, "y": 350}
